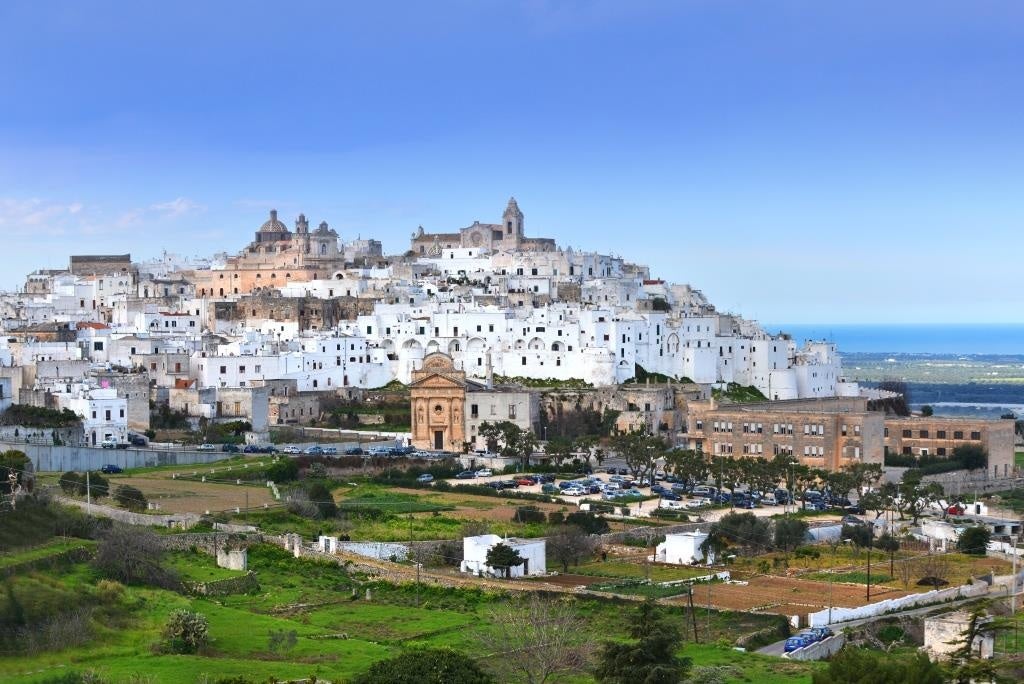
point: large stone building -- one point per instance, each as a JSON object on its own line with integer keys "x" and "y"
{"x": 505, "y": 236}
{"x": 820, "y": 433}
{"x": 275, "y": 257}
{"x": 939, "y": 436}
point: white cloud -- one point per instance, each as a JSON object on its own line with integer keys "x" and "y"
{"x": 35, "y": 216}
{"x": 176, "y": 207}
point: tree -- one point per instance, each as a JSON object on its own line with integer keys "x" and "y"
{"x": 528, "y": 514}
{"x": 131, "y": 498}
{"x": 511, "y": 440}
{"x": 569, "y": 544}
{"x": 133, "y": 555}
{"x": 538, "y": 642}
{"x": 559, "y": 450}
{"x": 860, "y": 535}
{"x": 743, "y": 530}
{"x": 321, "y": 498}
{"x": 927, "y": 411}
{"x": 887, "y": 543}
{"x": 971, "y": 456}
{"x": 504, "y": 557}
{"x": 283, "y": 470}
{"x": 789, "y": 533}
{"x": 640, "y": 450}
{"x": 688, "y": 465}
{"x": 916, "y": 496}
{"x": 864, "y": 666}
{"x": 425, "y": 666}
{"x": 16, "y": 462}
{"x": 974, "y": 540}
{"x": 72, "y": 483}
{"x": 934, "y": 569}
{"x": 588, "y": 522}
{"x": 186, "y": 632}
{"x": 651, "y": 658}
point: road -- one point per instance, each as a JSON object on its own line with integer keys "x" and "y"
{"x": 778, "y": 648}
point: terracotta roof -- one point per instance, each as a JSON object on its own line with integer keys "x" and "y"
{"x": 91, "y": 324}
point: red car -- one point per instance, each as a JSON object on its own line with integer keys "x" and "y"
{"x": 955, "y": 509}
{"x": 526, "y": 481}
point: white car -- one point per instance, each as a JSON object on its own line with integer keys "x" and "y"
{"x": 205, "y": 447}
{"x": 573, "y": 491}
{"x": 291, "y": 450}
{"x": 484, "y": 472}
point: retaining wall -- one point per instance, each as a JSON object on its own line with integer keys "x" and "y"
{"x": 60, "y": 459}
{"x": 821, "y": 618}
{"x": 185, "y": 520}
{"x": 233, "y": 585}
{"x": 819, "y": 650}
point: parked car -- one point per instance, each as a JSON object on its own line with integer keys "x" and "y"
{"x": 465, "y": 475}
{"x": 818, "y": 506}
{"x": 509, "y": 484}
{"x": 111, "y": 469}
{"x": 769, "y": 500}
{"x": 314, "y": 450}
{"x": 484, "y": 472}
{"x": 956, "y": 509}
{"x": 229, "y": 449}
{"x": 658, "y": 489}
{"x": 526, "y": 481}
{"x": 137, "y": 440}
{"x": 425, "y": 477}
{"x": 748, "y": 504}
{"x": 809, "y": 636}
{"x": 623, "y": 471}
{"x": 547, "y": 477}
{"x": 330, "y": 451}
{"x": 353, "y": 451}
{"x": 671, "y": 496}
{"x": 291, "y": 450}
{"x": 573, "y": 491}
{"x": 793, "y": 643}
{"x": 782, "y": 496}
{"x": 109, "y": 444}
{"x": 549, "y": 488}
{"x": 205, "y": 447}
{"x": 821, "y": 632}
{"x": 852, "y": 520}
{"x": 855, "y": 509}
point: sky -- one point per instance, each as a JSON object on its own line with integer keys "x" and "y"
{"x": 801, "y": 162}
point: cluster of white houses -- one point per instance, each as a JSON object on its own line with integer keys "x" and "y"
{"x": 300, "y": 314}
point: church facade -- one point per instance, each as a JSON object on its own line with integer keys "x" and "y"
{"x": 507, "y": 236}
{"x": 438, "y": 398}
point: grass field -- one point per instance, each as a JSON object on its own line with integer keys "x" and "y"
{"x": 339, "y": 633}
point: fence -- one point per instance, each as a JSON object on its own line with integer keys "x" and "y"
{"x": 821, "y": 618}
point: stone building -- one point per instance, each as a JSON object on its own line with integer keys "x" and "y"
{"x": 101, "y": 264}
{"x": 505, "y": 236}
{"x": 939, "y": 436}
{"x": 275, "y": 257}
{"x": 308, "y": 313}
{"x": 820, "y": 433}
{"x": 438, "y": 398}
{"x": 502, "y": 403}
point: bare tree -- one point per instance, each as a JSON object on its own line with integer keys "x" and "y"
{"x": 934, "y": 569}
{"x": 133, "y": 555}
{"x": 538, "y": 642}
{"x": 570, "y": 544}
{"x": 905, "y": 571}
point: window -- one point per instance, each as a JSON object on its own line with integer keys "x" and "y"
{"x": 856, "y": 430}
{"x": 941, "y": 434}
{"x": 511, "y": 411}
{"x": 107, "y": 412}
{"x": 907, "y": 433}
{"x": 976, "y": 435}
{"x": 906, "y": 451}
{"x": 958, "y": 434}
{"x": 941, "y": 451}
{"x": 923, "y": 434}
{"x": 97, "y": 346}
{"x": 122, "y": 413}
{"x": 223, "y": 370}
{"x": 474, "y": 411}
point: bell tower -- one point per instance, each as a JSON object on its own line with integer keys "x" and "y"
{"x": 512, "y": 222}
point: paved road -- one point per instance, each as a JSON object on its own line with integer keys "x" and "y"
{"x": 778, "y": 648}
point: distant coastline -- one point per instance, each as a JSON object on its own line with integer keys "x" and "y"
{"x": 930, "y": 338}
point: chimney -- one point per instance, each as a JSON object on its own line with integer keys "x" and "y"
{"x": 490, "y": 371}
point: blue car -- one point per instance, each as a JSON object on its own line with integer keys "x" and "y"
{"x": 793, "y": 643}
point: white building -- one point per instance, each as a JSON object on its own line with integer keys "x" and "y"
{"x": 104, "y": 414}
{"x": 683, "y": 549}
{"x": 474, "y": 555}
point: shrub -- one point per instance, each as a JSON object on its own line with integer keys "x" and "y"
{"x": 131, "y": 498}
{"x": 556, "y": 517}
{"x": 186, "y": 632}
{"x": 425, "y": 666}
{"x": 109, "y": 591}
{"x": 588, "y": 522}
{"x": 72, "y": 483}
{"x": 283, "y": 470}
{"x": 807, "y": 552}
{"x": 974, "y": 540}
{"x": 528, "y": 514}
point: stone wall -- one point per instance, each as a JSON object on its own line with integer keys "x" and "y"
{"x": 233, "y": 585}
{"x": 184, "y": 520}
{"x": 819, "y": 650}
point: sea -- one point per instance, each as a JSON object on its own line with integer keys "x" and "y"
{"x": 906, "y": 345}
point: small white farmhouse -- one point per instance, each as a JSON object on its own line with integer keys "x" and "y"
{"x": 474, "y": 555}
{"x": 683, "y": 549}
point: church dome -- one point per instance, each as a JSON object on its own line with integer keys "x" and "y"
{"x": 273, "y": 225}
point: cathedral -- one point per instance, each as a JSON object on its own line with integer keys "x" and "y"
{"x": 275, "y": 257}
{"x": 506, "y": 236}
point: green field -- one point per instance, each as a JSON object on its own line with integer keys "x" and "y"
{"x": 339, "y": 633}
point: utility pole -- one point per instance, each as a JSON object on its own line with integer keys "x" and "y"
{"x": 693, "y": 616}
{"x": 88, "y": 493}
{"x": 871, "y": 538}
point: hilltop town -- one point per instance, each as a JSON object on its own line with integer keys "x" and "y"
{"x": 359, "y": 449}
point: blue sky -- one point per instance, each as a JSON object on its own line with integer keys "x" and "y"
{"x": 798, "y": 161}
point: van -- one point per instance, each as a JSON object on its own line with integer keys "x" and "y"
{"x": 769, "y": 500}
{"x": 674, "y": 505}
{"x": 704, "y": 490}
